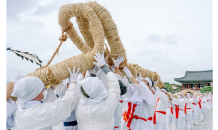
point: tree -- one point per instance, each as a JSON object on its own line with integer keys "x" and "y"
{"x": 207, "y": 89}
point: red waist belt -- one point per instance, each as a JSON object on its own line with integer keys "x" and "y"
{"x": 194, "y": 103}
{"x": 171, "y": 109}
{"x": 116, "y": 126}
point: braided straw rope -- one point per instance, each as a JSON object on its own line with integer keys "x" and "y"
{"x": 184, "y": 91}
{"x": 116, "y": 46}
{"x": 54, "y": 74}
{"x": 168, "y": 95}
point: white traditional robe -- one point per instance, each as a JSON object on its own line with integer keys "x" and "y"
{"x": 195, "y": 108}
{"x": 160, "y": 110}
{"x": 42, "y": 116}
{"x": 188, "y": 112}
{"x": 179, "y": 105}
{"x": 210, "y": 101}
{"x": 169, "y": 115}
{"x": 203, "y": 107}
{"x": 140, "y": 107}
{"x": 100, "y": 116}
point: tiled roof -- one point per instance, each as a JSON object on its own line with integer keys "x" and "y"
{"x": 197, "y": 76}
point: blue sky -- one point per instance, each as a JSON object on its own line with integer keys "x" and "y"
{"x": 167, "y": 36}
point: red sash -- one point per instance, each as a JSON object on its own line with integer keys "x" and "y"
{"x": 116, "y": 126}
{"x": 162, "y": 112}
{"x": 186, "y": 108}
{"x": 200, "y": 102}
{"x": 194, "y": 104}
{"x": 121, "y": 101}
{"x": 131, "y": 116}
{"x": 150, "y": 118}
{"x": 171, "y": 108}
{"x": 177, "y": 110}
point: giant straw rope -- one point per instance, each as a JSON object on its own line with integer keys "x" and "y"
{"x": 95, "y": 23}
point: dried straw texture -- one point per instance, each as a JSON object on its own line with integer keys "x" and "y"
{"x": 135, "y": 69}
{"x": 187, "y": 90}
{"x": 13, "y": 98}
{"x": 54, "y": 74}
{"x": 168, "y": 95}
{"x": 173, "y": 95}
{"x": 110, "y": 32}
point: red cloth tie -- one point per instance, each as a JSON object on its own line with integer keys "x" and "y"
{"x": 150, "y": 118}
{"x": 121, "y": 101}
{"x": 171, "y": 109}
{"x": 177, "y": 111}
{"x": 116, "y": 126}
{"x": 162, "y": 112}
{"x": 131, "y": 116}
{"x": 186, "y": 108}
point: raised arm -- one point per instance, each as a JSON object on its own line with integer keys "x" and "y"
{"x": 162, "y": 96}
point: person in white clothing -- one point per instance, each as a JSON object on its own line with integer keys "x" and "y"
{"x": 202, "y": 105}
{"x": 188, "y": 110}
{"x": 96, "y": 107}
{"x": 31, "y": 113}
{"x": 179, "y": 110}
{"x": 10, "y": 104}
{"x": 169, "y": 113}
{"x": 161, "y": 108}
{"x": 210, "y": 100}
{"x": 123, "y": 89}
{"x": 141, "y": 103}
{"x": 195, "y": 108}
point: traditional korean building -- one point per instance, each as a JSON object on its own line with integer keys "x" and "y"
{"x": 196, "y": 79}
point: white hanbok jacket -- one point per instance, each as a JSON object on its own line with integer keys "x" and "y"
{"x": 188, "y": 106}
{"x": 140, "y": 106}
{"x": 195, "y": 105}
{"x": 202, "y": 102}
{"x": 209, "y": 99}
{"x": 100, "y": 116}
{"x": 179, "y": 105}
{"x": 45, "y": 115}
{"x": 161, "y": 106}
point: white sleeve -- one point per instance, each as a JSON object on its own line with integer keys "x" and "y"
{"x": 51, "y": 97}
{"x": 55, "y": 112}
{"x": 163, "y": 98}
{"x": 114, "y": 89}
{"x": 145, "y": 93}
{"x": 178, "y": 101}
{"x": 130, "y": 90}
{"x": 11, "y": 107}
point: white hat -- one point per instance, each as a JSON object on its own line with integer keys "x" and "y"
{"x": 27, "y": 88}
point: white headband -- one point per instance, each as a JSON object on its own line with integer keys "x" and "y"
{"x": 181, "y": 94}
{"x": 164, "y": 90}
{"x": 149, "y": 81}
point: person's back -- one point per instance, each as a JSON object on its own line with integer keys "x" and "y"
{"x": 95, "y": 109}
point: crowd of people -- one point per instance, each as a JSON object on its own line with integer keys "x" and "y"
{"x": 101, "y": 99}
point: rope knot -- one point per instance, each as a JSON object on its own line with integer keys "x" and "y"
{"x": 63, "y": 38}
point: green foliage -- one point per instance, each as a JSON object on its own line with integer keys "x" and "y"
{"x": 169, "y": 87}
{"x": 207, "y": 89}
